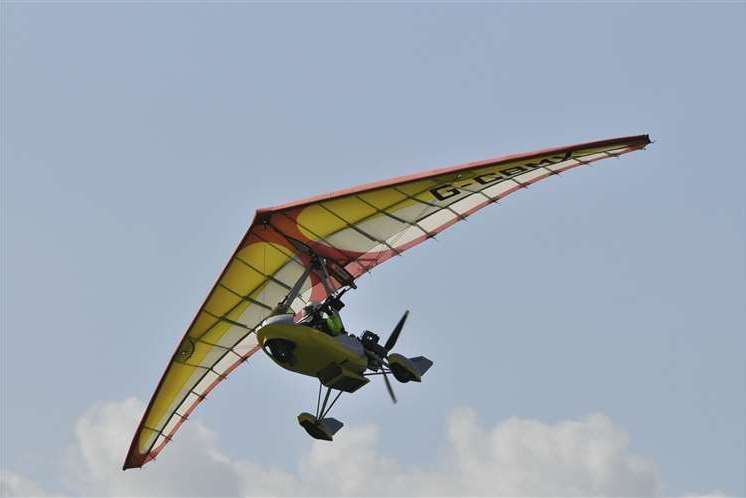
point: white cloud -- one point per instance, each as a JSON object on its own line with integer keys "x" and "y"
{"x": 518, "y": 457}
{"x": 588, "y": 457}
{"x": 103, "y": 433}
{"x": 12, "y": 484}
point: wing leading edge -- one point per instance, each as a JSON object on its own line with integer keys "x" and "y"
{"x": 355, "y": 230}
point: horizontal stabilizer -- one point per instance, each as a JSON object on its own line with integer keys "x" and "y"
{"x": 421, "y": 364}
{"x": 408, "y": 369}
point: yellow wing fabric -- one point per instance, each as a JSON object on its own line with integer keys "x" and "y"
{"x": 353, "y": 230}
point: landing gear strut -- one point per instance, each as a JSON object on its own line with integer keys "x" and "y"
{"x": 320, "y": 426}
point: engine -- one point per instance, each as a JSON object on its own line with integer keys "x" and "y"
{"x": 375, "y": 352}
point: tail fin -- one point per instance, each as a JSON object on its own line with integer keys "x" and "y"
{"x": 421, "y": 364}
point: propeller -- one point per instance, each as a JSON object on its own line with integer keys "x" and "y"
{"x": 390, "y": 343}
{"x": 378, "y": 355}
{"x": 388, "y": 386}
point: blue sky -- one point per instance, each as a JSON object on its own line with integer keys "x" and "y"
{"x": 138, "y": 139}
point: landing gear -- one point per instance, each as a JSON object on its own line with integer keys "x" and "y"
{"x": 404, "y": 369}
{"x": 320, "y": 426}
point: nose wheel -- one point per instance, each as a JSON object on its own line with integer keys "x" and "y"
{"x": 319, "y": 426}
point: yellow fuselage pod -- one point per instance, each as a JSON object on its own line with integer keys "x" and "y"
{"x": 338, "y": 362}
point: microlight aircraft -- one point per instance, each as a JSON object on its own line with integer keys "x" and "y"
{"x": 281, "y": 289}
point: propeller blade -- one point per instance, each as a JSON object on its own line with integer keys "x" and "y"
{"x": 395, "y": 334}
{"x": 388, "y": 386}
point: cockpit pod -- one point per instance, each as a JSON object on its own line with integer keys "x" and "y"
{"x": 337, "y": 361}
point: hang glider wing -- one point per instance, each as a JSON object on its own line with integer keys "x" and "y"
{"x": 354, "y": 230}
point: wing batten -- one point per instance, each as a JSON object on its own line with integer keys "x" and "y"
{"x": 396, "y": 218}
{"x": 356, "y": 229}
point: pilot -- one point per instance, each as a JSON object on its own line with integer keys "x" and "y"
{"x": 324, "y": 319}
{"x": 333, "y": 323}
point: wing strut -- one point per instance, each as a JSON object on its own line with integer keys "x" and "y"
{"x": 284, "y": 305}
{"x": 319, "y": 266}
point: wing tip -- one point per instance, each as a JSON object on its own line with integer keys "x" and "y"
{"x": 130, "y": 465}
{"x": 135, "y": 459}
{"x": 137, "y": 462}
